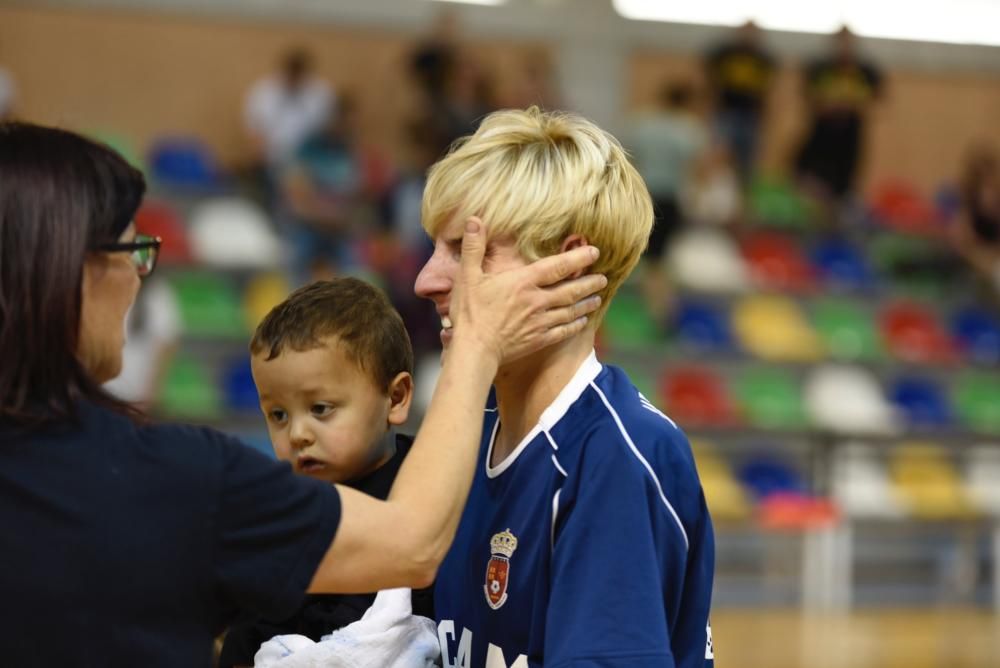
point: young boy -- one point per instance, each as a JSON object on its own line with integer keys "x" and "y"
{"x": 333, "y": 366}
{"x": 586, "y": 540}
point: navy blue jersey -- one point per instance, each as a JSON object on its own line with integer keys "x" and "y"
{"x": 589, "y": 546}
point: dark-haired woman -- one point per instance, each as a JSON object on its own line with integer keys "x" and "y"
{"x": 125, "y": 543}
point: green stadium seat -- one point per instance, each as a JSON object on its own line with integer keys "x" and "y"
{"x": 189, "y": 391}
{"x": 210, "y": 306}
{"x": 847, "y": 330}
{"x": 776, "y": 203}
{"x": 977, "y": 399}
{"x": 628, "y": 325}
{"x": 770, "y": 398}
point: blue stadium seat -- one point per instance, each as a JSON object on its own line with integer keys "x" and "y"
{"x": 977, "y": 332}
{"x": 184, "y": 163}
{"x": 765, "y": 475}
{"x": 921, "y": 401}
{"x": 841, "y": 265}
{"x": 702, "y": 326}
{"x": 239, "y": 390}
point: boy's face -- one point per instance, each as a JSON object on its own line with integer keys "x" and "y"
{"x": 438, "y": 276}
{"x": 324, "y": 414}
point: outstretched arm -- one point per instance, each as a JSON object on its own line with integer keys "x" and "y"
{"x": 496, "y": 318}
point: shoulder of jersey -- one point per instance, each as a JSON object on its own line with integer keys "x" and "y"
{"x": 611, "y": 409}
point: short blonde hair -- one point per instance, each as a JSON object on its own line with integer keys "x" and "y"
{"x": 540, "y": 177}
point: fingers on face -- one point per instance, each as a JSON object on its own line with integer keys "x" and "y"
{"x": 577, "y": 290}
{"x": 558, "y": 267}
{"x": 473, "y": 244}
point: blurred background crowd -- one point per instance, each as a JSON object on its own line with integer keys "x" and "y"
{"x": 819, "y": 306}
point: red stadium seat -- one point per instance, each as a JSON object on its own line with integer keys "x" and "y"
{"x": 901, "y": 207}
{"x": 697, "y": 396}
{"x": 775, "y": 261}
{"x": 914, "y": 334}
{"x": 159, "y": 219}
{"x": 796, "y": 512}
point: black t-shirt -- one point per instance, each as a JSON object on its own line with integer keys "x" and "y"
{"x": 839, "y": 89}
{"x": 740, "y": 75}
{"x": 322, "y": 614}
{"x": 127, "y": 545}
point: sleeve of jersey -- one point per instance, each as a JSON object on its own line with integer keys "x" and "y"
{"x": 618, "y": 564}
{"x": 272, "y": 530}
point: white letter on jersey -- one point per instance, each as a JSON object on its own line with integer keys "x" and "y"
{"x": 463, "y": 658}
{"x": 495, "y": 659}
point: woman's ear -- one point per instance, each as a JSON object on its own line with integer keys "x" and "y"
{"x": 571, "y": 242}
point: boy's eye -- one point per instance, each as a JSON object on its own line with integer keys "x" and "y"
{"x": 276, "y": 415}
{"x": 454, "y": 248}
{"x": 320, "y": 410}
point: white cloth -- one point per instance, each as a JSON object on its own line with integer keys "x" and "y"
{"x": 284, "y": 118}
{"x": 388, "y": 636}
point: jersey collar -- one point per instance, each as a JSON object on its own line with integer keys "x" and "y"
{"x": 555, "y": 411}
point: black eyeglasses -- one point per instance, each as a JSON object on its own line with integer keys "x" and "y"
{"x": 143, "y": 252}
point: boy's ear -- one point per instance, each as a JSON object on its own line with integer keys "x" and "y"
{"x": 571, "y": 242}
{"x": 400, "y": 398}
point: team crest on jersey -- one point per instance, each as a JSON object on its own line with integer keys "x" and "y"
{"x": 502, "y": 547}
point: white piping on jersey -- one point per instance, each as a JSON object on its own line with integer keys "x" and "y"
{"x": 554, "y": 460}
{"x": 583, "y": 377}
{"x": 555, "y": 515}
{"x": 648, "y": 405}
{"x": 551, "y": 442}
{"x": 635, "y": 451}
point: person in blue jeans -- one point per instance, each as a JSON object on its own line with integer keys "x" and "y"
{"x": 740, "y": 72}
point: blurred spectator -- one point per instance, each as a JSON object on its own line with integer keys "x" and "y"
{"x": 740, "y": 71}
{"x": 413, "y": 245}
{"x": 713, "y": 193}
{"x": 470, "y": 97}
{"x": 977, "y": 232}
{"x": 840, "y": 89}
{"x": 8, "y": 95}
{"x": 536, "y": 83}
{"x": 284, "y": 109}
{"x": 433, "y": 61}
{"x": 421, "y": 154}
{"x": 456, "y": 90}
{"x": 665, "y": 144}
{"x": 324, "y": 191}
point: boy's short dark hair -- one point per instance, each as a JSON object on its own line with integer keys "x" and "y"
{"x": 358, "y": 314}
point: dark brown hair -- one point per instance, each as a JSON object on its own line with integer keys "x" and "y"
{"x": 358, "y": 314}
{"x": 61, "y": 196}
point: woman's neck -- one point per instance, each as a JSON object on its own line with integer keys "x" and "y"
{"x": 527, "y": 387}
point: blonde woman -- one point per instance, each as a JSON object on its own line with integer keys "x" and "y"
{"x": 586, "y": 540}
